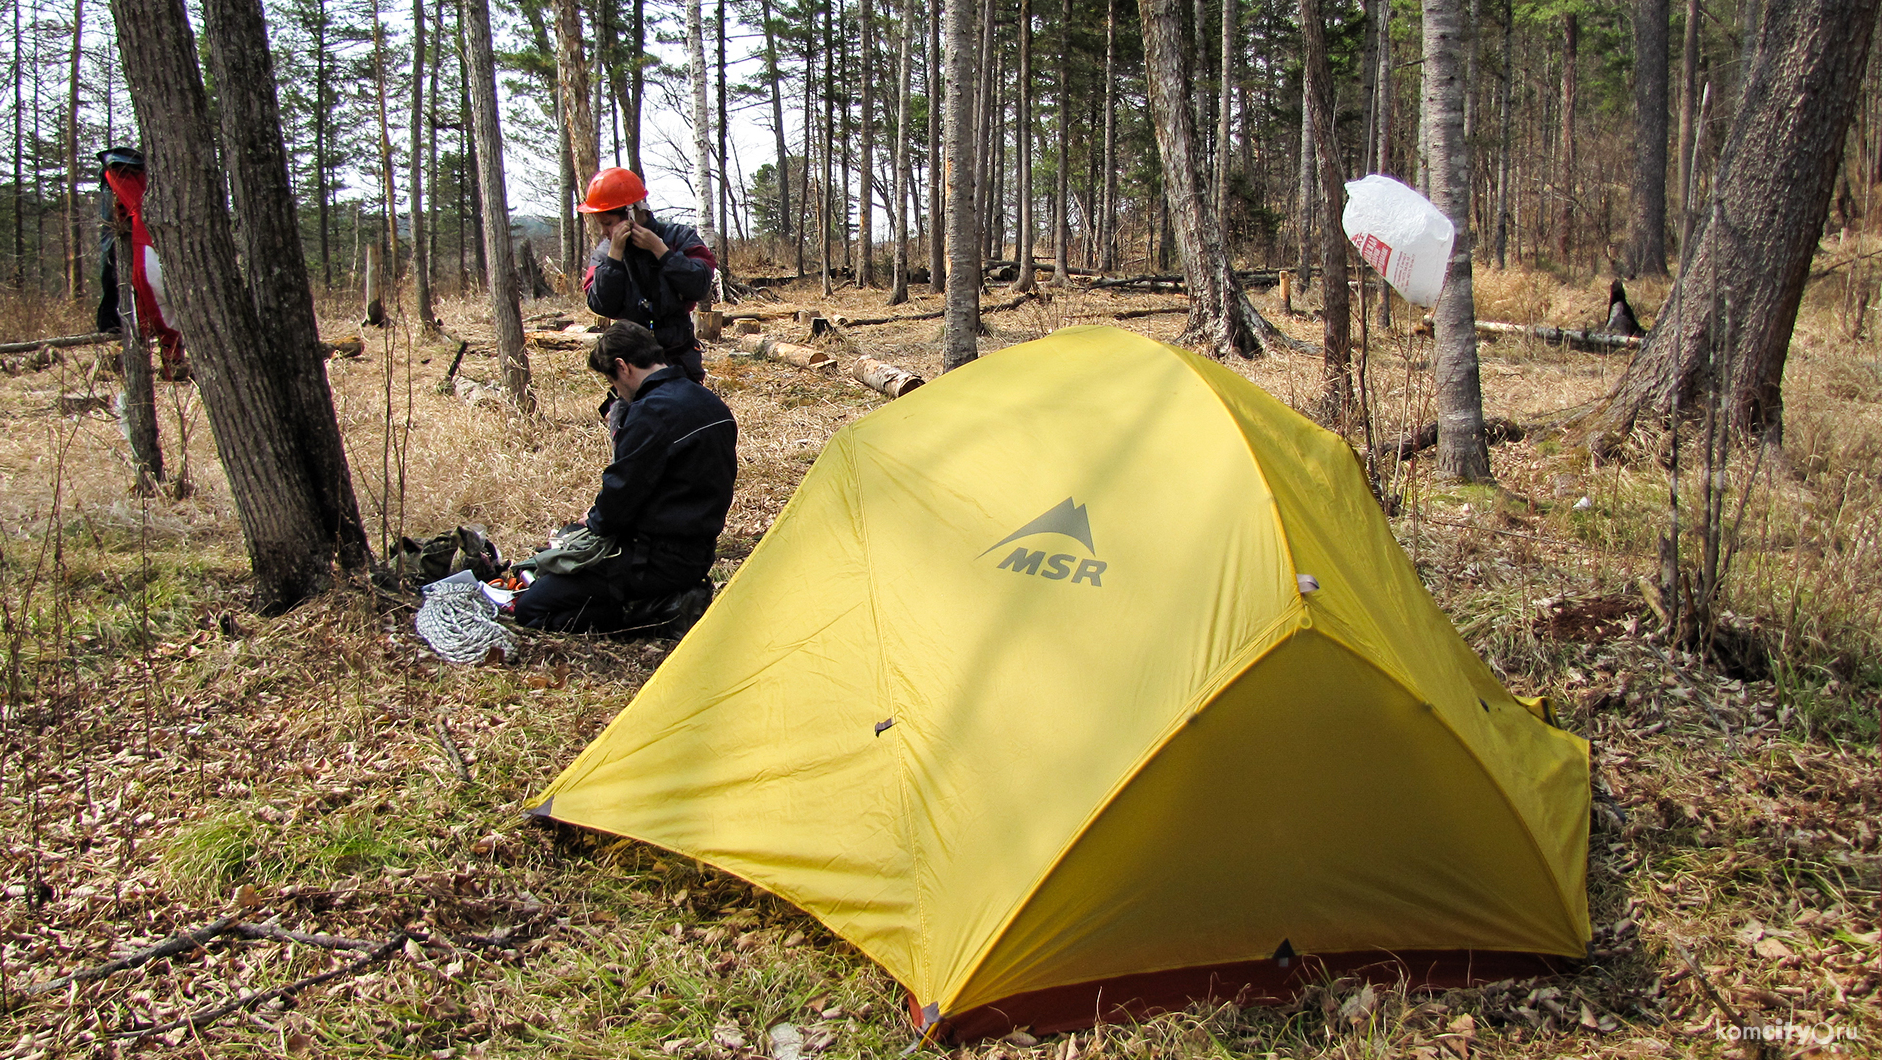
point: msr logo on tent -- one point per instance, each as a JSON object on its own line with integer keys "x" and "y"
{"x": 1067, "y": 520}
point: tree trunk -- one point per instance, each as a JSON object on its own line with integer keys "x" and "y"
{"x": 1023, "y": 129}
{"x": 1382, "y": 147}
{"x": 270, "y": 232}
{"x": 321, "y": 117}
{"x": 866, "y": 163}
{"x": 247, "y": 372}
{"x": 1224, "y": 113}
{"x": 725, "y": 163}
{"x": 1304, "y": 213}
{"x": 1505, "y": 142}
{"x": 1221, "y": 320}
{"x": 1107, "y": 213}
{"x": 74, "y": 214}
{"x": 578, "y": 117}
{"x": 904, "y": 177}
{"x": 1735, "y": 307}
{"x": 1062, "y": 198}
{"x": 421, "y": 249}
{"x": 961, "y": 330}
{"x": 637, "y": 89}
{"x": 702, "y": 126}
{"x": 1565, "y": 174}
{"x": 1336, "y": 395}
{"x": 387, "y": 177}
{"x": 938, "y": 203}
{"x": 500, "y": 275}
{"x": 467, "y": 126}
{"x": 775, "y": 76}
{"x": 1462, "y": 449}
{"x": 825, "y": 201}
{"x": 1688, "y": 103}
{"x": 1646, "y": 248}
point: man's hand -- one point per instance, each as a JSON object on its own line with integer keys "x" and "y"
{"x": 619, "y": 234}
{"x": 647, "y": 241}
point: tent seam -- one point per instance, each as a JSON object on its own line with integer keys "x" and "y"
{"x": 925, "y": 959}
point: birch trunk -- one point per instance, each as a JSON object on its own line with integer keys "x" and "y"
{"x": 961, "y": 331}
{"x": 1462, "y": 449}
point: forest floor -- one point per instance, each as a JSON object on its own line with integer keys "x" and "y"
{"x": 169, "y": 759}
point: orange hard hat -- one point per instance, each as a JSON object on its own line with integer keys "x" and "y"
{"x": 613, "y": 189}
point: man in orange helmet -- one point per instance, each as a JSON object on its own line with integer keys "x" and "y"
{"x": 647, "y": 271}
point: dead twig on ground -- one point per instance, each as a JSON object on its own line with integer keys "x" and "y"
{"x": 97, "y": 338}
{"x": 189, "y": 940}
{"x": 451, "y": 752}
{"x": 204, "y": 1017}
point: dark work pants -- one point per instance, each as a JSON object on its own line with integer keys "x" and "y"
{"x": 595, "y": 600}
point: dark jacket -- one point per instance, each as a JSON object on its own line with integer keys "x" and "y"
{"x": 675, "y": 461}
{"x": 656, "y": 293}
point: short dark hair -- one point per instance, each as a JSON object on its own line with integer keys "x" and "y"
{"x": 626, "y": 341}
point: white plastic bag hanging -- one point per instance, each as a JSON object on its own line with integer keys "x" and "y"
{"x": 1401, "y": 235}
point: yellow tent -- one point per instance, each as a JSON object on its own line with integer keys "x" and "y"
{"x": 1091, "y": 675}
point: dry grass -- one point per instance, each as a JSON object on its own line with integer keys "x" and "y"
{"x": 169, "y": 758}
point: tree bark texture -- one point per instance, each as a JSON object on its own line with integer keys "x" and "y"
{"x": 866, "y": 168}
{"x": 578, "y": 115}
{"x": 421, "y": 246}
{"x": 1224, "y": 114}
{"x": 1737, "y": 303}
{"x": 1688, "y": 103}
{"x": 500, "y": 274}
{"x": 1304, "y": 213}
{"x": 269, "y": 242}
{"x": 1062, "y": 199}
{"x": 74, "y": 213}
{"x": 1565, "y": 174}
{"x": 1336, "y": 381}
{"x": 238, "y": 364}
{"x": 1023, "y": 129}
{"x": 702, "y": 125}
{"x": 938, "y": 202}
{"x": 961, "y": 332}
{"x": 1646, "y": 244}
{"x": 1221, "y": 319}
{"x": 1463, "y": 451}
{"x": 904, "y": 176}
{"x": 776, "y": 77}
{"x": 1108, "y": 211}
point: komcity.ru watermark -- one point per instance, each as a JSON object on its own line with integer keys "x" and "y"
{"x": 1791, "y": 1033}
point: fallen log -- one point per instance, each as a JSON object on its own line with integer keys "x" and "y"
{"x": 1131, "y": 314}
{"x": 562, "y": 340}
{"x": 883, "y": 378}
{"x": 96, "y": 338}
{"x": 1139, "y": 281}
{"x": 1496, "y": 430}
{"x": 788, "y": 352}
{"x": 1574, "y": 338}
{"x": 1012, "y": 303}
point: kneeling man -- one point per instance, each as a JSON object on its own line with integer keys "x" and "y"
{"x": 663, "y": 499}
